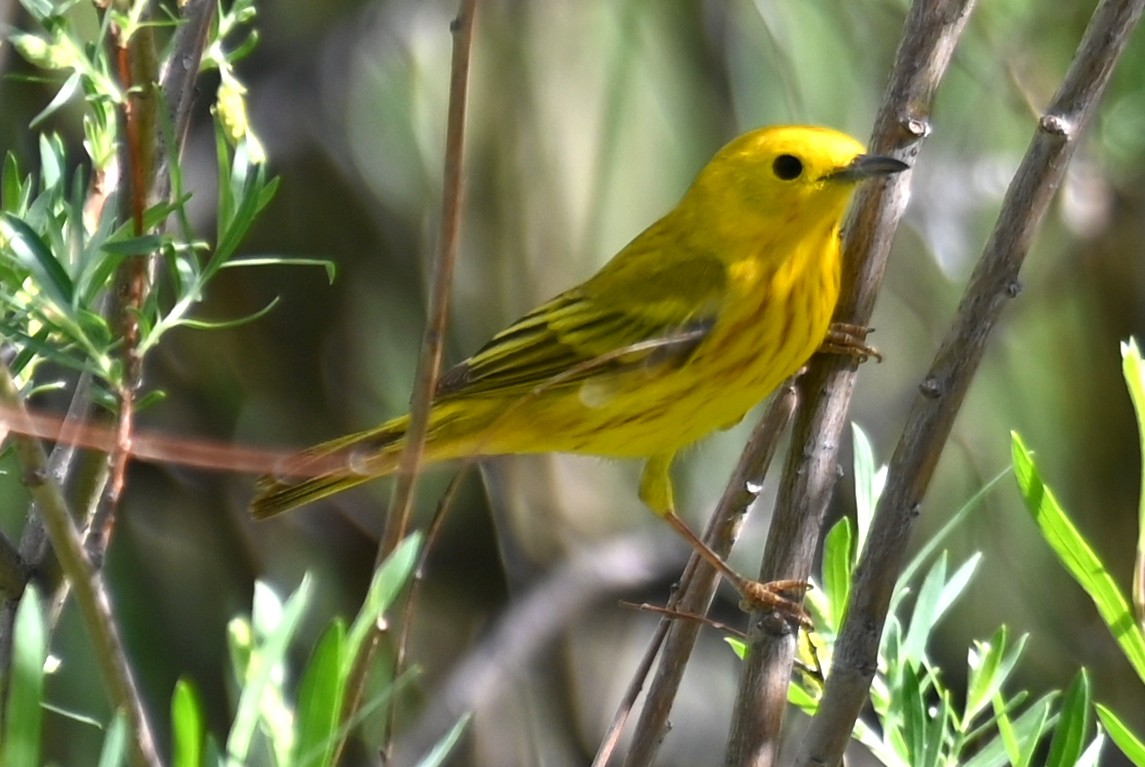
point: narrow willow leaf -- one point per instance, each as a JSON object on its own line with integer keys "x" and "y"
{"x": 1074, "y": 722}
{"x": 1132, "y": 746}
{"x": 1076, "y": 555}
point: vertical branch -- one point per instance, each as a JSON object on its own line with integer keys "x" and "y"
{"x": 993, "y": 283}
{"x": 137, "y": 70}
{"x": 931, "y": 31}
{"x": 429, "y": 361}
{"x": 698, "y": 586}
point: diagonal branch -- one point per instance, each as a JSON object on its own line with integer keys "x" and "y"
{"x": 698, "y": 586}
{"x": 993, "y": 283}
{"x": 86, "y": 583}
{"x": 930, "y": 34}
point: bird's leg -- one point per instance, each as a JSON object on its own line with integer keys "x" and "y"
{"x": 656, "y": 493}
{"x": 849, "y": 340}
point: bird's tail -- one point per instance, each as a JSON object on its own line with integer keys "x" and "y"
{"x": 330, "y": 468}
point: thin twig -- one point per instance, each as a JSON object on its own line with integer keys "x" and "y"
{"x": 931, "y": 30}
{"x": 429, "y": 360}
{"x": 87, "y": 584}
{"x": 697, "y": 591}
{"x": 992, "y": 285}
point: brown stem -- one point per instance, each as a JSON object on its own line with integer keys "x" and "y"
{"x": 931, "y": 30}
{"x": 992, "y": 285}
{"x": 699, "y": 584}
{"x": 87, "y": 584}
{"x": 429, "y": 361}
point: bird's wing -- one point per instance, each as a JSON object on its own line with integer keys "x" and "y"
{"x": 639, "y": 310}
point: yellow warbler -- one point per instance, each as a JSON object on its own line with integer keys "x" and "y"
{"x": 687, "y": 328}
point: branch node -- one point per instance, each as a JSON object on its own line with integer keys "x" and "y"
{"x": 1013, "y": 288}
{"x": 916, "y": 127}
{"x": 930, "y": 388}
{"x": 1056, "y": 125}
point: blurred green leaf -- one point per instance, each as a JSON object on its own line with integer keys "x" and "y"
{"x": 1134, "y": 372}
{"x": 925, "y": 614}
{"x": 869, "y": 482}
{"x": 387, "y": 583}
{"x": 1132, "y": 746}
{"x": 1074, "y": 552}
{"x": 187, "y": 726}
{"x": 442, "y": 749}
{"x": 1073, "y": 724}
{"x": 114, "y": 751}
{"x": 35, "y": 256}
{"x": 20, "y": 743}
{"x": 320, "y": 699}
{"x": 838, "y": 553}
{"x": 274, "y": 624}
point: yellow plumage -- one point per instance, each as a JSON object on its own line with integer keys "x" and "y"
{"x": 689, "y": 326}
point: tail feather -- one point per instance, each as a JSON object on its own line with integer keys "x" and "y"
{"x": 329, "y": 468}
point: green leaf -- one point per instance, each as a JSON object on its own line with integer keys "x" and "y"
{"x": 188, "y": 730}
{"x": 24, "y": 715}
{"x": 35, "y": 256}
{"x": 444, "y": 746}
{"x": 1073, "y": 724}
{"x": 838, "y": 553}
{"x": 985, "y": 678}
{"x": 739, "y": 647}
{"x": 1133, "y": 370}
{"x": 1132, "y": 746}
{"x": 274, "y": 625}
{"x": 869, "y": 482}
{"x": 320, "y": 699}
{"x": 10, "y": 185}
{"x": 925, "y": 614}
{"x": 329, "y": 266}
{"x": 135, "y": 246}
{"x": 387, "y": 583}
{"x": 114, "y": 752}
{"x": 1075, "y": 553}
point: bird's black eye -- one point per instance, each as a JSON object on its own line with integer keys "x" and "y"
{"x": 787, "y": 167}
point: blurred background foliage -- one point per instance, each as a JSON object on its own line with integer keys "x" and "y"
{"x": 587, "y": 120}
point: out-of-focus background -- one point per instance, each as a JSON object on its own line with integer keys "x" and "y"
{"x": 587, "y": 120}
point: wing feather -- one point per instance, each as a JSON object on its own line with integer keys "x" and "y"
{"x": 640, "y": 309}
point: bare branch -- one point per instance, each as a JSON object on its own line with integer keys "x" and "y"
{"x": 699, "y": 582}
{"x": 993, "y": 283}
{"x": 931, "y": 32}
{"x": 429, "y": 361}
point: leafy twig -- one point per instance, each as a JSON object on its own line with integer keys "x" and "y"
{"x": 993, "y": 283}
{"x": 931, "y": 31}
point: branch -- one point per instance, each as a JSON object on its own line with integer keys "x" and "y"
{"x": 698, "y": 587}
{"x": 86, "y": 582}
{"x": 931, "y": 31}
{"x": 429, "y": 361}
{"x": 993, "y": 283}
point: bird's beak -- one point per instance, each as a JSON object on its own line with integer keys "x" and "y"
{"x": 869, "y": 166}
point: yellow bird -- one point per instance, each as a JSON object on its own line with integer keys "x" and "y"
{"x": 687, "y": 328}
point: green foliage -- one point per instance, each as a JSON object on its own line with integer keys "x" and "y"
{"x": 270, "y": 725}
{"x": 1086, "y": 567}
{"x": 921, "y": 722}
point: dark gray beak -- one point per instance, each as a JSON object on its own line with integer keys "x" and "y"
{"x": 869, "y": 166}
